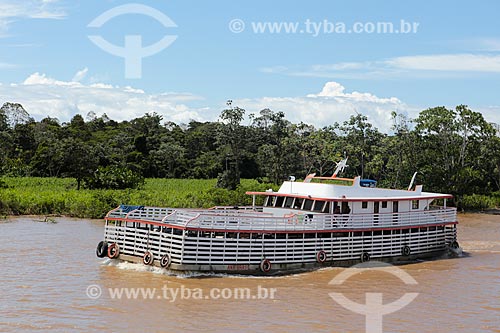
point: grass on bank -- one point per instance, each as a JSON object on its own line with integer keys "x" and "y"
{"x": 46, "y": 196}
{"x": 58, "y": 196}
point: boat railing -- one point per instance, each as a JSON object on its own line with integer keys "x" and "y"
{"x": 295, "y": 222}
{"x": 248, "y": 220}
{"x": 235, "y": 209}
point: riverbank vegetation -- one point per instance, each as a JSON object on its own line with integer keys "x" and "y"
{"x": 59, "y": 196}
{"x": 99, "y": 162}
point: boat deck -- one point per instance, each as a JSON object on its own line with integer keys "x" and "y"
{"x": 248, "y": 219}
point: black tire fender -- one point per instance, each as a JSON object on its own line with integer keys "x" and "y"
{"x": 165, "y": 261}
{"x": 265, "y": 265}
{"x": 148, "y": 258}
{"x": 102, "y": 249}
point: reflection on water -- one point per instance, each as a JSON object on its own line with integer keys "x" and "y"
{"x": 46, "y": 270}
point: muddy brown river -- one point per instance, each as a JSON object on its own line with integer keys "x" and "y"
{"x": 51, "y": 281}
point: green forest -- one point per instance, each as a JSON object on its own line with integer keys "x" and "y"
{"x": 453, "y": 150}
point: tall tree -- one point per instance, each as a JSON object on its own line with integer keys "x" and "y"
{"x": 80, "y": 160}
{"x": 360, "y": 143}
{"x": 231, "y": 137}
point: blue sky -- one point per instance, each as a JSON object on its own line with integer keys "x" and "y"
{"x": 48, "y": 63}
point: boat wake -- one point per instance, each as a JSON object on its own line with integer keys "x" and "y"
{"x": 481, "y": 246}
{"x": 138, "y": 267}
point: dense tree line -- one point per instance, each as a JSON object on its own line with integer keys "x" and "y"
{"x": 454, "y": 150}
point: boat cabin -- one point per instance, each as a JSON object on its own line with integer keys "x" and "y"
{"x": 343, "y": 196}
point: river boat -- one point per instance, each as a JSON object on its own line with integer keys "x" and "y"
{"x": 319, "y": 222}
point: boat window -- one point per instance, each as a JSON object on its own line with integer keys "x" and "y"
{"x": 268, "y": 201}
{"x": 345, "y": 207}
{"x": 298, "y": 203}
{"x": 289, "y": 202}
{"x": 318, "y": 206}
{"x": 364, "y": 204}
{"x": 326, "y": 209}
{"x": 279, "y": 201}
{"x": 336, "y": 208}
{"x": 308, "y": 204}
{"x": 414, "y": 204}
{"x": 395, "y": 209}
{"x": 384, "y": 204}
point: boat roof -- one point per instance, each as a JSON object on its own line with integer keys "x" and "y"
{"x": 348, "y": 192}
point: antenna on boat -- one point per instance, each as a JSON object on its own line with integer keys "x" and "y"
{"x": 291, "y": 179}
{"x": 412, "y": 180}
{"x": 340, "y": 167}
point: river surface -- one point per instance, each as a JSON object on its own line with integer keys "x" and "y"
{"x": 51, "y": 281}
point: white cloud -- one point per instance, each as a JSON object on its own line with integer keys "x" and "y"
{"x": 442, "y": 65}
{"x": 490, "y": 113}
{"x": 31, "y": 9}
{"x": 44, "y": 96}
{"x": 41, "y": 79}
{"x": 490, "y": 44}
{"x": 11, "y": 11}
{"x": 4, "y": 65}
{"x": 332, "y": 104}
{"x": 481, "y": 44}
{"x": 448, "y": 62}
{"x": 80, "y": 75}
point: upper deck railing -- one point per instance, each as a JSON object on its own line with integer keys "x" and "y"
{"x": 233, "y": 220}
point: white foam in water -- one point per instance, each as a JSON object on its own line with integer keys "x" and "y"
{"x": 158, "y": 270}
{"x": 138, "y": 267}
{"x": 481, "y": 246}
